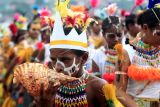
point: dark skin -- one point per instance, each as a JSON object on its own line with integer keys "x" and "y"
{"x": 111, "y": 39}
{"x": 133, "y": 30}
{"x": 94, "y": 84}
{"x": 34, "y": 30}
{"x": 97, "y": 27}
{"x": 95, "y": 96}
{"x": 149, "y": 38}
{"x": 111, "y": 42}
{"x": 46, "y": 35}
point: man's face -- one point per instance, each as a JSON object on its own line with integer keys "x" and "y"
{"x": 112, "y": 36}
{"x": 65, "y": 61}
{"x": 34, "y": 30}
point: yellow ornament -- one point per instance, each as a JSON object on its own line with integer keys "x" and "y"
{"x": 109, "y": 93}
{"x": 157, "y": 5}
{"x": 62, "y": 7}
{"x": 9, "y": 102}
{"x": 119, "y": 48}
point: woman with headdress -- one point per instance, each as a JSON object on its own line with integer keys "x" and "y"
{"x": 143, "y": 63}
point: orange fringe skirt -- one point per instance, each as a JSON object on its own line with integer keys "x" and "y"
{"x": 142, "y": 73}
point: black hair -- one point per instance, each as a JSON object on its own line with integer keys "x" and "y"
{"x": 78, "y": 52}
{"x": 20, "y": 36}
{"x": 29, "y": 26}
{"x": 35, "y": 17}
{"x": 30, "y": 23}
{"x": 148, "y": 17}
{"x": 95, "y": 18}
{"x": 130, "y": 20}
{"x": 109, "y": 22}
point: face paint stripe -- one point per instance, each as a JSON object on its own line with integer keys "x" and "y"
{"x": 69, "y": 70}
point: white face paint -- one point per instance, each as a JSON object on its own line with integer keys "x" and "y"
{"x": 69, "y": 70}
{"x": 156, "y": 32}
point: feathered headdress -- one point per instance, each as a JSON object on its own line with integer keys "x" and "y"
{"x": 69, "y": 28}
{"x": 19, "y": 20}
{"x": 46, "y": 18}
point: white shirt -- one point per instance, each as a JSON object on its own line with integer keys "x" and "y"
{"x": 152, "y": 91}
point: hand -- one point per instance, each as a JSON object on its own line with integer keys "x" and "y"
{"x": 47, "y": 96}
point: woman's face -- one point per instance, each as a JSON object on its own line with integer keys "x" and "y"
{"x": 65, "y": 61}
{"x": 112, "y": 36}
{"x": 153, "y": 36}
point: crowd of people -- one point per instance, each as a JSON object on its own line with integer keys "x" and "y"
{"x": 121, "y": 52}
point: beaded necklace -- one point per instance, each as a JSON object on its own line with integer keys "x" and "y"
{"x": 146, "y": 54}
{"x": 145, "y": 62}
{"x": 73, "y": 94}
{"x": 110, "y": 62}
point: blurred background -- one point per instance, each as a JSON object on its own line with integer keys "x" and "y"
{"x": 9, "y": 7}
{"x": 26, "y": 27}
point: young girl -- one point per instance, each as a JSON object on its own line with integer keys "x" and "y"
{"x": 143, "y": 63}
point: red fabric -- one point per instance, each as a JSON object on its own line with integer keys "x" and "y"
{"x": 86, "y": 16}
{"x": 13, "y": 28}
{"x": 94, "y": 3}
{"x": 45, "y": 12}
{"x": 40, "y": 45}
{"x": 70, "y": 20}
{"x": 139, "y": 2}
{"x": 43, "y": 21}
{"x": 124, "y": 13}
{"x": 20, "y": 100}
{"x": 109, "y": 77}
{"x": 89, "y": 71}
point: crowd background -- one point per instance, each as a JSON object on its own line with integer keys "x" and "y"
{"x": 25, "y": 28}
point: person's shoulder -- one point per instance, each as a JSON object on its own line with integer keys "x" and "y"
{"x": 96, "y": 83}
{"x": 96, "y": 90}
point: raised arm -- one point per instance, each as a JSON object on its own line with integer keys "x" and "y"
{"x": 124, "y": 69}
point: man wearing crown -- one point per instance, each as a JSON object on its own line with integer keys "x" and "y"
{"x": 68, "y": 48}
